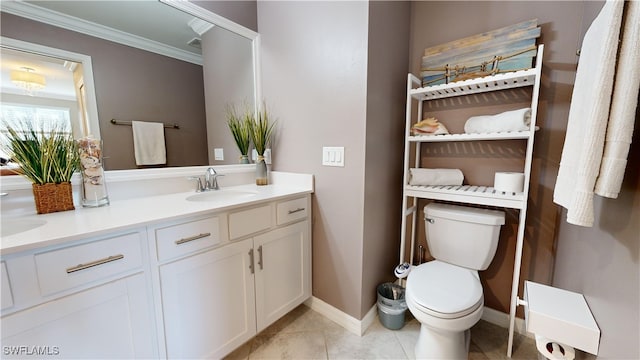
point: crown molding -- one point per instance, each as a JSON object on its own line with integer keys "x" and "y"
{"x": 72, "y": 23}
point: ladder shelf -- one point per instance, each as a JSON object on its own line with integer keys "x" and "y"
{"x": 469, "y": 194}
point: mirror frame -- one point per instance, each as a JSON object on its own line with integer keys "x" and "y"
{"x": 16, "y": 8}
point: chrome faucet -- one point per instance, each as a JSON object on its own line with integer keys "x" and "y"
{"x": 210, "y": 180}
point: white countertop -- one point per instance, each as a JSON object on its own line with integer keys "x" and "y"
{"x": 82, "y": 222}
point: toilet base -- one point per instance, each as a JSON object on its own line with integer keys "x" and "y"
{"x": 441, "y": 344}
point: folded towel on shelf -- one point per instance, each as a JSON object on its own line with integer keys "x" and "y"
{"x": 148, "y": 143}
{"x": 514, "y": 120}
{"x": 429, "y": 126}
{"x": 435, "y": 177}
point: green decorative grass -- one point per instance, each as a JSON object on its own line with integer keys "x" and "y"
{"x": 50, "y": 157}
{"x": 240, "y": 126}
{"x": 262, "y": 130}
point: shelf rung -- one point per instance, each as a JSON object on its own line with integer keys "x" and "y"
{"x": 470, "y": 194}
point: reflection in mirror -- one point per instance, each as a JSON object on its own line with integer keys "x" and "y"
{"x": 144, "y": 81}
{"x": 53, "y": 91}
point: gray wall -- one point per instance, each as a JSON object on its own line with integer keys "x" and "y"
{"x": 388, "y": 59}
{"x": 132, "y": 84}
{"x": 342, "y": 85}
{"x": 314, "y": 75}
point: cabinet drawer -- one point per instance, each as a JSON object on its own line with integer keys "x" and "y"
{"x": 292, "y": 210}
{"x": 249, "y": 221}
{"x": 74, "y": 266}
{"x": 177, "y": 240}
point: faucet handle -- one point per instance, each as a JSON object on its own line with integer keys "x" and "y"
{"x": 214, "y": 182}
{"x": 199, "y": 187}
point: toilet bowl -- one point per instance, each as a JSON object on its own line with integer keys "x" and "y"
{"x": 445, "y": 295}
{"x": 447, "y": 300}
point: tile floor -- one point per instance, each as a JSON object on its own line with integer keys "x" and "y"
{"x": 305, "y": 334}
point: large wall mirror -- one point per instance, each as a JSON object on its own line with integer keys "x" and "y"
{"x": 164, "y": 61}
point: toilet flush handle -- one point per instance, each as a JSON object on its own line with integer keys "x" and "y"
{"x": 429, "y": 220}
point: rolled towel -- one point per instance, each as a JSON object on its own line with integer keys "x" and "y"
{"x": 435, "y": 177}
{"x": 514, "y": 120}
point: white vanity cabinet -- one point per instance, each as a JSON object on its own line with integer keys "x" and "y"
{"x": 208, "y": 302}
{"x": 251, "y": 270}
{"x": 81, "y": 301}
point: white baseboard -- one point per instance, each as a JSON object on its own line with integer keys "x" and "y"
{"x": 358, "y": 327}
{"x": 348, "y": 322}
{"x": 502, "y": 319}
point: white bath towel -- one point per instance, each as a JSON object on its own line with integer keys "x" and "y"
{"x": 435, "y": 177}
{"x": 588, "y": 116}
{"x": 514, "y": 120}
{"x": 148, "y": 143}
{"x": 623, "y": 106}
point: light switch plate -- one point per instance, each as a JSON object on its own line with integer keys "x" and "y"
{"x": 333, "y": 156}
{"x": 218, "y": 154}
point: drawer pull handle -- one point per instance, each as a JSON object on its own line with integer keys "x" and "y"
{"x": 94, "y": 263}
{"x": 295, "y": 211}
{"x": 196, "y": 237}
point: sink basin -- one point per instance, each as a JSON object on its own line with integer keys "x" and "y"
{"x": 221, "y": 195}
{"x": 16, "y": 226}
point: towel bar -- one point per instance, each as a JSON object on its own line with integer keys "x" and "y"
{"x": 120, "y": 122}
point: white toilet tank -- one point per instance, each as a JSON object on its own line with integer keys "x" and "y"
{"x": 462, "y": 235}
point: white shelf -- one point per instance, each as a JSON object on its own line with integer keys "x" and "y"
{"x": 468, "y": 194}
{"x": 471, "y": 137}
{"x": 504, "y": 81}
{"x": 561, "y": 315}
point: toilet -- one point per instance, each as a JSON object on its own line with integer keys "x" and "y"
{"x": 445, "y": 295}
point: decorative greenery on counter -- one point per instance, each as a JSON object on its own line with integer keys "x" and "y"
{"x": 261, "y": 131}
{"x": 44, "y": 157}
{"x": 240, "y": 126}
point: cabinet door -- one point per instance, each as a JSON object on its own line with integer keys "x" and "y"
{"x": 208, "y": 302}
{"x": 113, "y": 321}
{"x": 283, "y": 271}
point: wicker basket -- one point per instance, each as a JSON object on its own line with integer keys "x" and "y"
{"x": 53, "y": 197}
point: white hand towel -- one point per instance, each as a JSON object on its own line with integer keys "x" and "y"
{"x": 623, "y": 107}
{"x": 148, "y": 143}
{"x": 588, "y": 116}
{"x": 514, "y": 120}
{"x": 435, "y": 177}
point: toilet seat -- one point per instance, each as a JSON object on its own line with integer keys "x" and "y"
{"x": 443, "y": 290}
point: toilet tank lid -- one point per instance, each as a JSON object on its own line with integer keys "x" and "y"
{"x": 464, "y": 213}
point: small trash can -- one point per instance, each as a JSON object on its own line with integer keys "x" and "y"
{"x": 391, "y": 305}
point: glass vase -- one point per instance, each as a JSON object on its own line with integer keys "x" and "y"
{"x": 94, "y": 188}
{"x": 244, "y": 159}
{"x": 261, "y": 171}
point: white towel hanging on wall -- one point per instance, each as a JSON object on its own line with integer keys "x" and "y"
{"x": 148, "y": 143}
{"x": 589, "y": 115}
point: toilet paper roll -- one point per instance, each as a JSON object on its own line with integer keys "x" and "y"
{"x": 509, "y": 182}
{"x": 554, "y": 350}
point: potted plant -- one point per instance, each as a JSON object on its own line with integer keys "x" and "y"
{"x": 48, "y": 159}
{"x": 240, "y": 127}
{"x": 261, "y": 132}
